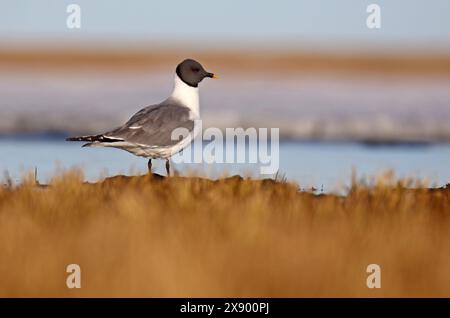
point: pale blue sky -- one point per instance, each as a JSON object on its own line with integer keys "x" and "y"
{"x": 325, "y": 22}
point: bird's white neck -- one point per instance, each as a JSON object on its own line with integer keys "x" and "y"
{"x": 186, "y": 95}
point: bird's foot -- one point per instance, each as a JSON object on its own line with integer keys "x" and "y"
{"x": 168, "y": 167}
{"x": 149, "y": 165}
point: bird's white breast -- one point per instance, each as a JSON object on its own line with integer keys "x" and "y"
{"x": 187, "y": 96}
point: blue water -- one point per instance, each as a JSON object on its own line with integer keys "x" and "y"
{"x": 322, "y": 165}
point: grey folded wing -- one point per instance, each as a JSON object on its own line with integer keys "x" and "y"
{"x": 154, "y": 125}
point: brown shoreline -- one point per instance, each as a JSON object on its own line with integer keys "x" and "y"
{"x": 239, "y": 61}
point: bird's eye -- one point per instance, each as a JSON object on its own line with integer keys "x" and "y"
{"x": 195, "y": 69}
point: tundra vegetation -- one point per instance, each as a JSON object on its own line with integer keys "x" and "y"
{"x": 192, "y": 237}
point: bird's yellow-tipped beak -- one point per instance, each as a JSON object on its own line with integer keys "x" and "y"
{"x": 215, "y": 76}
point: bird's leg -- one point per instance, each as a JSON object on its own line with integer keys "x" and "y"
{"x": 168, "y": 167}
{"x": 149, "y": 165}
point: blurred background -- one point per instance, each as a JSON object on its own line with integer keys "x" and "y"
{"x": 344, "y": 96}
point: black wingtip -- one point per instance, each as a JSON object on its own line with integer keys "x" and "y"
{"x": 94, "y": 138}
{"x": 83, "y": 138}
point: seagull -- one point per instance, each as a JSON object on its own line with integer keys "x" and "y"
{"x": 148, "y": 133}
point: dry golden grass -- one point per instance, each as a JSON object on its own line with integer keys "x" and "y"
{"x": 142, "y": 236}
